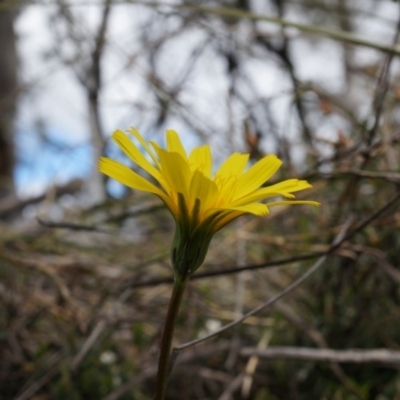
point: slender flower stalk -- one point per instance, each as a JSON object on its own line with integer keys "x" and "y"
{"x": 201, "y": 202}
{"x": 166, "y": 338}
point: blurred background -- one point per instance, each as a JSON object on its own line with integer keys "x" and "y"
{"x": 85, "y": 276}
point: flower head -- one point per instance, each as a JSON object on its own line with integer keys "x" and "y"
{"x": 202, "y": 202}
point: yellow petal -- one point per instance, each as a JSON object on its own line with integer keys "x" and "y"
{"x": 156, "y": 147}
{"x": 174, "y": 144}
{"x": 176, "y": 172}
{"x": 203, "y": 189}
{"x": 200, "y": 203}
{"x": 232, "y": 166}
{"x": 280, "y": 189}
{"x": 290, "y": 185}
{"x": 135, "y": 154}
{"x": 235, "y": 212}
{"x": 258, "y": 174}
{"x": 200, "y": 159}
{"x": 140, "y": 139}
{"x": 126, "y": 176}
{"x": 227, "y": 176}
{"x": 254, "y": 208}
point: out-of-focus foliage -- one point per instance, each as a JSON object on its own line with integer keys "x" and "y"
{"x": 83, "y": 294}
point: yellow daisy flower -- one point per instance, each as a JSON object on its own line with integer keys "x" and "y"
{"x": 200, "y": 201}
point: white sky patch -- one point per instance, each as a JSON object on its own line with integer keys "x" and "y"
{"x": 53, "y": 94}
{"x": 319, "y": 61}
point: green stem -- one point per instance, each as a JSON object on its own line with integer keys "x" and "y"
{"x": 166, "y": 339}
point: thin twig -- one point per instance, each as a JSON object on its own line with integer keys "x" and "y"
{"x": 357, "y": 356}
{"x": 226, "y": 271}
{"x": 272, "y": 300}
{"x": 90, "y": 341}
{"x": 232, "y": 387}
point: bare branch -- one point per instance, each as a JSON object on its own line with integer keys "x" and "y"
{"x": 274, "y": 299}
{"x": 356, "y": 356}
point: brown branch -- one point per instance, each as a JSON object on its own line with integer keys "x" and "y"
{"x": 73, "y": 226}
{"x": 93, "y": 80}
{"x": 93, "y": 87}
{"x": 226, "y": 271}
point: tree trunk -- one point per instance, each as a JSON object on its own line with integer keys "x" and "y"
{"x": 8, "y": 95}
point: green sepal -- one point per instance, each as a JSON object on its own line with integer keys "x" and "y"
{"x": 191, "y": 241}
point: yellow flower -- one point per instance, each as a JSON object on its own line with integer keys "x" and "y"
{"x": 202, "y": 202}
